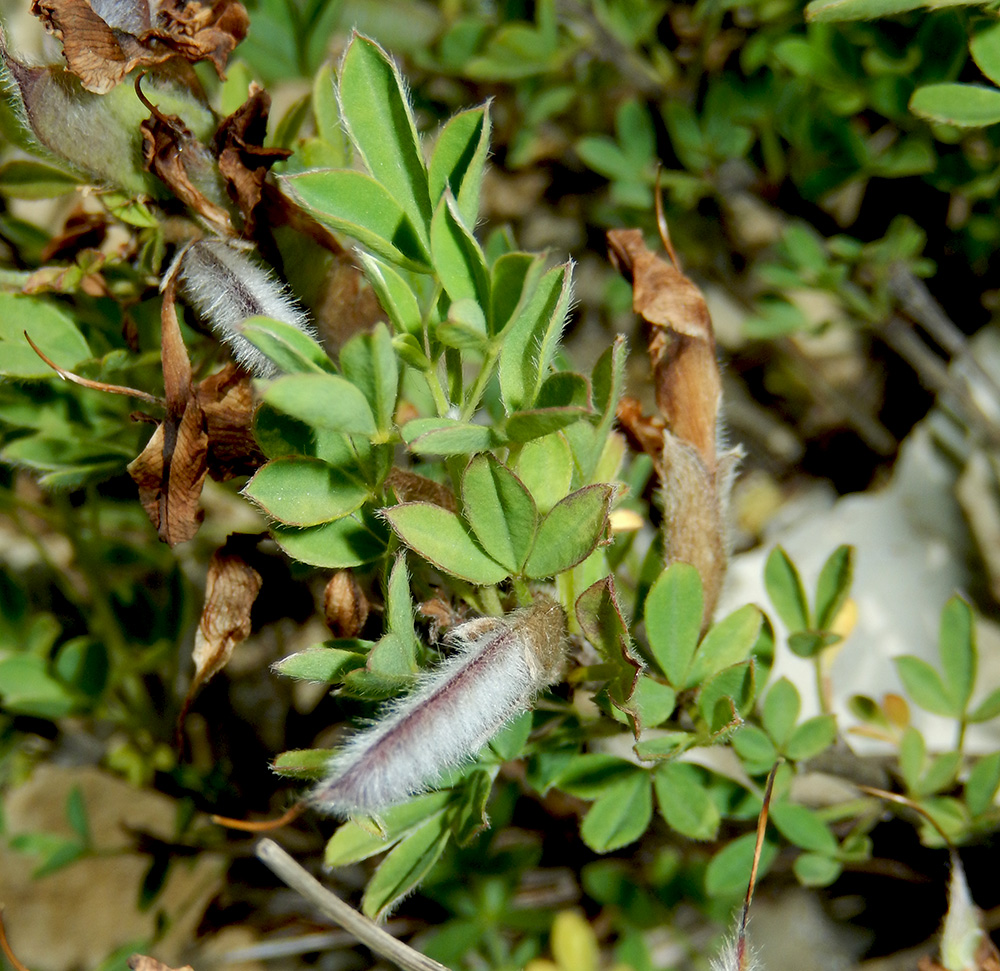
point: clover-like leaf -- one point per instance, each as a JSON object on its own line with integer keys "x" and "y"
{"x": 345, "y": 542}
{"x": 52, "y": 330}
{"x": 673, "y": 614}
{"x": 458, "y": 161}
{"x": 784, "y": 587}
{"x": 570, "y": 532}
{"x": 322, "y": 401}
{"x": 500, "y": 511}
{"x": 377, "y": 113}
{"x": 684, "y": 800}
{"x": 441, "y": 537}
{"x": 304, "y": 491}
{"x": 620, "y": 814}
{"x": 291, "y": 350}
{"x": 405, "y": 866}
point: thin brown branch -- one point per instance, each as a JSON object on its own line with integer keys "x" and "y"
{"x": 910, "y": 804}
{"x": 661, "y": 221}
{"x": 366, "y": 931}
{"x": 261, "y": 825}
{"x": 95, "y": 385}
{"x": 741, "y": 943}
{"x": 5, "y": 947}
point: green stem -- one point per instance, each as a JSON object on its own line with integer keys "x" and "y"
{"x": 437, "y": 392}
{"x": 522, "y": 592}
{"x": 824, "y": 706}
{"x": 490, "y": 600}
{"x": 482, "y": 380}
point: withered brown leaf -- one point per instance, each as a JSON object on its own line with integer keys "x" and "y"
{"x": 170, "y": 471}
{"x": 172, "y": 153}
{"x": 231, "y": 588}
{"x": 99, "y": 54}
{"x": 683, "y": 439}
{"x": 199, "y": 31}
{"x": 681, "y": 343}
{"x": 345, "y": 605}
{"x": 102, "y": 50}
{"x": 410, "y": 487}
{"x": 81, "y": 230}
{"x": 206, "y": 430}
{"x": 346, "y": 304}
{"x": 226, "y": 398}
{"x": 243, "y": 160}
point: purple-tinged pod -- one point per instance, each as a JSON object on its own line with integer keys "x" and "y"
{"x": 498, "y": 667}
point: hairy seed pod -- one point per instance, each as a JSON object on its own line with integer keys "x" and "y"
{"x": 498, "y": 667}
{"x": 225, "y": 286}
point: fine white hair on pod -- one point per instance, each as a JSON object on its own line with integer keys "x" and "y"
{"x": 225, "y": 286}
{"x": 498, "y": 667}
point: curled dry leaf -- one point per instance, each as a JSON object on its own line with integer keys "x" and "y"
{"x": 170, "y": 471}
{"x": 345, "y": 605}
{"x": 206, "y": 430}
{"x": 102, "y": 48}
{"x": 243, "y": 160}
{"x": 683, "y": 440}
{"x": 226, "y": 398}
{"x": 346, "y": 304}
{"x": 231, "y": 588}
{"x": 442, "y": 616}
{"x": 97, "y": 52}
{"x": 681, "y": 342}
{"x": 181, "y": 162}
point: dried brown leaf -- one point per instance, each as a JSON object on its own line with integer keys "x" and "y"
{"x": 101, "y": 52}
{"x": 644, "y": 431}
{"x": 226, "y": 398}
{"x": 170, "y": 471}
{"x": 178, "y": 159}
{"x": 200, "y": 31}
{"x": 681, "y": 345}
{"x": 683, "y": 439}
{"x": 98, "y": 54}
{"x": 231, "y": 588}
{"x": 345, "y": 605}
{"x": 243, "y": 160}
{"x": 347, "y": 305}
{"x": 82, "y": 230}
{"x": 278, "y": 210}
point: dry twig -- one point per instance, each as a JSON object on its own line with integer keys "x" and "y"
{"x": 366, "y": 931}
